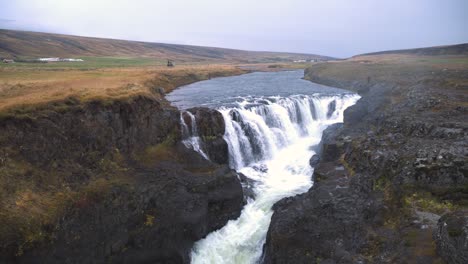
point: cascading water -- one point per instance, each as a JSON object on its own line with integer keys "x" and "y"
{"x": 190, "y": 137}
{"x": 270, "y": 141}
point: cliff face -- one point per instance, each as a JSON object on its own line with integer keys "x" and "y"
{"x": 387, "y": 175}
{"x": 108, "y": 182}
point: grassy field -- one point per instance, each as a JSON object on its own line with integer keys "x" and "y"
{"x": 114, "y": 68}
{"x": 395, "y": 67}
{"x": 446, "y": 75}
{"x": 88, "y": 63}
{"x": 24, "y": 87}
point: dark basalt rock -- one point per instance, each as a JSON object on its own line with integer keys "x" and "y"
{"x": 331, "y": 108}
{"x": 128, "y": 126}
{"x": 314, "y": 160}
{"x": 210, "y": 125}
{"x": 329, "y": 147}
{"x": 166, "y": 196}
{"x": 247, "y": 186}
{"x": 451, "y": 237}
{"x": 260, "y": 168}
{"x": 155, "y": 221}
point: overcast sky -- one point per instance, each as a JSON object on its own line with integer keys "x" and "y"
{"x": 338, "y": 28}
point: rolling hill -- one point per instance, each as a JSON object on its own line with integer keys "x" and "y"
{"x": 459, "y": 49}
{"x": 24, "y": 44}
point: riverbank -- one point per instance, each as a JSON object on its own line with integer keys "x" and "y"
{"x": 389, "y": 173}
{"x": 92, "y": 168}
{"x": 29, "y": 89}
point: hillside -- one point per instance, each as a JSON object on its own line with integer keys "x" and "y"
{"x": 14, "y": 44}
{"x": 460, "y": 49}
{"x": 113, "y": 69}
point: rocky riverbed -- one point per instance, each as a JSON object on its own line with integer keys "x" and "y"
{"x": 388, "y": 174}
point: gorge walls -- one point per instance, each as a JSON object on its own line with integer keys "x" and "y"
{"x": 108, "y": 182}
{"x": 387, "y": 175}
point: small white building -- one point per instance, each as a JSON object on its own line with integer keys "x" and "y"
{"x": 49, "y": 59}
{"x": 58, "y": 59}
{"x": 72, "y": 59}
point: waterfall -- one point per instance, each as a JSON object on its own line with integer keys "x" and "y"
{"x": 256, "y": 130}
{"x": 190, "y": 137}
{"x": 269, "y": 141}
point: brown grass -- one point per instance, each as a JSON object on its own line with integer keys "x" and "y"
{"x": 24, "y": 87}
{"x": 396, "y": 69}
{"x": 33, "y": 200}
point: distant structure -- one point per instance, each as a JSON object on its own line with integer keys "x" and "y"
{"x": 309, "y": 60}
{"x": 58, "y": 60}
{"x": 8, "y": 61}
{"x": 170, "y": 63}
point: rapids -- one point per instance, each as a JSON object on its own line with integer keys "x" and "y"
{"x": 270, "y": 138}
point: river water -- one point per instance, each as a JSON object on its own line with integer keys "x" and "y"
{"x": 273, "y": 121}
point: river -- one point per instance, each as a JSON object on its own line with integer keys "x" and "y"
{"x": 274, "y": 121}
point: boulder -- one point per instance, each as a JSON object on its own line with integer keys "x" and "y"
{"x": 314, "y": 160}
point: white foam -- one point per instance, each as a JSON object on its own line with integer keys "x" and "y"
{"x": 276, "y": 135}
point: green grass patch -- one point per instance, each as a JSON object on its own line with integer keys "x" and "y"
{"x": 90, "y": 63}
{"x": 381, "y": 183}
{"x": 164, "y": 151}
{"x": 149, "y": 222}
{"x": 425, "y": 201}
